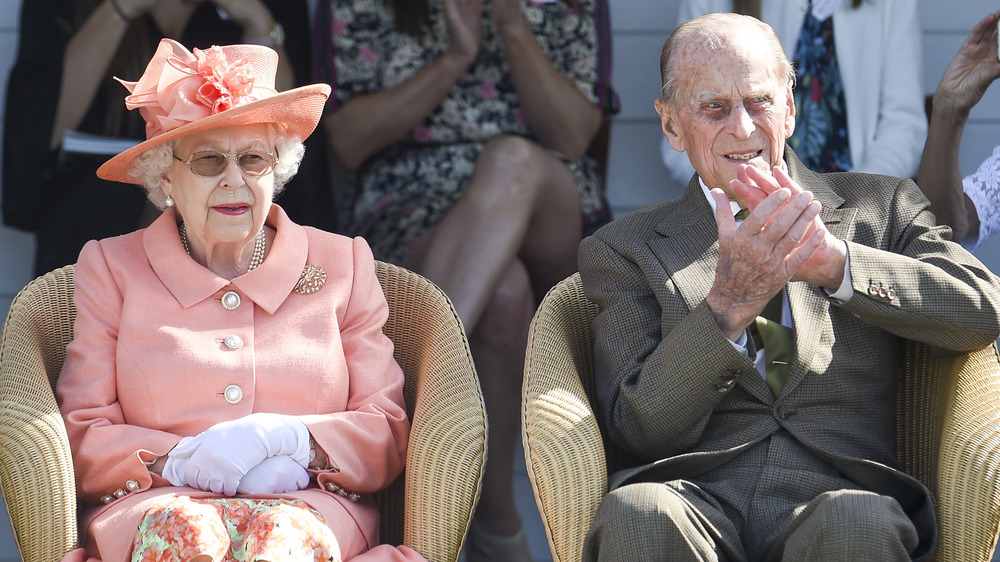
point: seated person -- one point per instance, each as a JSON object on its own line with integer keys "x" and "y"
{"x": 969, "y": 205}
{"x": 859, "y": 85}
{"x": 228, "y": 393}
{"x": 468, "y": 123}
{"x": 770, "y": 439}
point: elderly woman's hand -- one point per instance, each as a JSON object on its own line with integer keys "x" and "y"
{"x": 274, "y": 475}
{"x": 220, "y": 456}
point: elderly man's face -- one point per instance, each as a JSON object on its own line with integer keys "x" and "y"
{"x": 731, "y": 108}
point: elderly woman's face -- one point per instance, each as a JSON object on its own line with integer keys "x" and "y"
{"x": 226, "y": 206}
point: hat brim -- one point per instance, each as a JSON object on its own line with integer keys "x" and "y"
{"x": 298, "y": 110}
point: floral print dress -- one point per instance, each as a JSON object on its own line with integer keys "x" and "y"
{"x": 408, "y": 187}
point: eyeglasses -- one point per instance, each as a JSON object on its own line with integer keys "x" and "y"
{"x": 254, "y": 163}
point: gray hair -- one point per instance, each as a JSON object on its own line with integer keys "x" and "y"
{"x": 151, "y": 166}
{"x": 712, "y": 30}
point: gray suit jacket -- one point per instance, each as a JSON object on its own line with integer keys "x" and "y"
{"x": 676, "y": 395}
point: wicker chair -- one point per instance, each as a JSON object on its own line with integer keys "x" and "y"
{"x": 948, "y": 437}
{"x": 429, "y": 507}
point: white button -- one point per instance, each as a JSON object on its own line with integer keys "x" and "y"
{"x": 233, "y": 342}
{"x": 131, "y": 485}
{"x": 230, "y": 300}
{"x": 233, "y": 394}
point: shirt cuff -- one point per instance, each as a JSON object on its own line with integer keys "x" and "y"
{"x": 846, "y": 290}
{"x": 740, "y": 344}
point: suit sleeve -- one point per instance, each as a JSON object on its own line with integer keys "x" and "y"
{"x": 660, "y": 372}
{"x": 940, "y": 293}
{"x": 366, "y": 443}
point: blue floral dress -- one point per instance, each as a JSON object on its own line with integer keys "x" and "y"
{"x": 408, "y": 187}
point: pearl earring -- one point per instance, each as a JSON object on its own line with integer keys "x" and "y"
{"x": 170, "y": 201}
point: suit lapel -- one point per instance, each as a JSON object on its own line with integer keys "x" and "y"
{"x": 688, "y": 247}
{"x": 688, "y": 250}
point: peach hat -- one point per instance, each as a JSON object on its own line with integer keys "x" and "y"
{"x": 183, "y": 92}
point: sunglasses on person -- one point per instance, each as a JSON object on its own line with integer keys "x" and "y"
{"x": 254, "y": 163}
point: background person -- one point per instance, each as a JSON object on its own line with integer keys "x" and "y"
{"x": 969, "y": 205}
{"x": 468, "y": 124}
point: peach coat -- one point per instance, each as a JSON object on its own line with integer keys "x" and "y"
{"x": 147, "y": 366}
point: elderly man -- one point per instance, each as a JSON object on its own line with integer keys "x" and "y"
{"x": 766, "y": 439}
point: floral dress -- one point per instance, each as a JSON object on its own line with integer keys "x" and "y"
{"x": 234, "y": 530}
{"x": 408, "y": 187}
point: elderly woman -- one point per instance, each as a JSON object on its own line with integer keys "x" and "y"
{"x": 229, "y": 393}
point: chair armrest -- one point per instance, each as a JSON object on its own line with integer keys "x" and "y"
{"x": 563, "y": 448}
{"x": 446, "y": 454}
{"x": 36, "y": 467}
{"x": 958, "y": 399}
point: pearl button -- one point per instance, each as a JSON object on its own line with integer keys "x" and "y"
{"x": 233, "y": 394}
{"x": 233, "y": 342}
{"x": 230, "y": 300}
{"x": 119, "y": 493}
{"x": 107, "y": 498}
{"x": 131, "y": 485}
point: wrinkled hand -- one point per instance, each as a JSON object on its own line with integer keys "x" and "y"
{"x": 221, "y": 455}
{"x": 757, "y": 258}
{"x": 274, "y": 475}
{"x": 464, "y": 19}
{"x": 971, "y": 70}
{"x": 826, "y": 266}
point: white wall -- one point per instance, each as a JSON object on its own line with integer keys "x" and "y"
{"x": 636, "y": 177}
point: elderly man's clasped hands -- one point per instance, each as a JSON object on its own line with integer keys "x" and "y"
{"x": 783, "y": 239}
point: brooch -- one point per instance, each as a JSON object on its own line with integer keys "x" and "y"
{"x": 313, "y": 278}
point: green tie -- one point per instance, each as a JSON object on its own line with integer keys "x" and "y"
{"x": 742, "y": 214}
{"x": 777, "y": 341}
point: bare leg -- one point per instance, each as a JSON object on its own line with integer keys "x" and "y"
{"x": 520, "y": 201}
{"x": 498, "y": 345}
{"x": 511, "y": 236}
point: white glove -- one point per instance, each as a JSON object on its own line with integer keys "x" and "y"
{"x": 221, "y": 455}
{"x": 274, "y": 475}
{"x": 173, "y": 468}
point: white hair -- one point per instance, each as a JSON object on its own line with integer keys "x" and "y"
{"x": 151, "y": 166}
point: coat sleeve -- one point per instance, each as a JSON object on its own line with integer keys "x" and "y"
{"x": 366, "y": 443}
{"x": 940, "y": 293}
{"x": 107, "y": 451}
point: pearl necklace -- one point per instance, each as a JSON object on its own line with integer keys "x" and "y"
{"x": 258, "y": 247}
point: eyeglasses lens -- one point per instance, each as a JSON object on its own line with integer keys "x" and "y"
{"x": 254, "y": 163}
